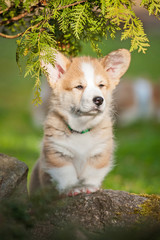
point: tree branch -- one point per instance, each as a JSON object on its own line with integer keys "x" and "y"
{"x": 10, "y": 36}
{"x": 22, "y": 15}
{"x": 72, "y": 4}
{"x": 20, "y": 34}
{"x": 5, "y": 10}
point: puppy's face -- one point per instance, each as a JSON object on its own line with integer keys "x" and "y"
{"x": 83, "y": 86}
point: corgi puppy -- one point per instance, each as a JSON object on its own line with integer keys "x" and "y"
{"x": 78, "y": 140}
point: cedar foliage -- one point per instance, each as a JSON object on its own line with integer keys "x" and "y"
{"x": 63, "y": 24}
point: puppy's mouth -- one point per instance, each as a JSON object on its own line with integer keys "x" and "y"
{"x": 91, "y": 112}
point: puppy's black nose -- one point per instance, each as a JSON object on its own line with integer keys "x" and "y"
{"x": 98, "y": 101}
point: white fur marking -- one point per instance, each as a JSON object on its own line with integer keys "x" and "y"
{"x": 88, "y": 71}
{"x": 91, "y": 90}
{"x": 65, "y": 177}
{"x": 79, "y": 148}
{"x": 89, "y": 174}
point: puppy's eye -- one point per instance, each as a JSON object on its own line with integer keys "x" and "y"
{"x": 80, "y": 87}
{"x": 101, "y": 85}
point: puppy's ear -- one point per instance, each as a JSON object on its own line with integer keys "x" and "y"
{"x": 55, "y": 71}
{"x": 116, "y": 64}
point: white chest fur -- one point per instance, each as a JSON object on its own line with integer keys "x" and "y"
{"x": 79, "y": 148}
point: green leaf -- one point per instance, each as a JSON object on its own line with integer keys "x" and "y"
{"x": 80, "y": 17}
{"x": 63, "y": 24}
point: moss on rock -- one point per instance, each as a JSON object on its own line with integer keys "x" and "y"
{"x": 151, "y": 207}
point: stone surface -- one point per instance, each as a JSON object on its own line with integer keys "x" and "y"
{"x": 101, "y": 209}
{"x": 46, "y": 214}
{"x": 105, "y": 209}
{"x": 13, "y": 177}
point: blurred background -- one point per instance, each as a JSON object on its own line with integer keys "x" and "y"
{"x": 136, "y": 112}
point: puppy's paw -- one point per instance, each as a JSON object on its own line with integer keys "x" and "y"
{"x": 74, "y": 192}
{"x": 77, "y": 191}
{"x": 89, "y": 190}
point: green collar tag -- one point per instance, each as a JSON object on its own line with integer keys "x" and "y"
{"x": 82, "y": 132}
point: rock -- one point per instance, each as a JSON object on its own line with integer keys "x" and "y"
{"x": 102, "y": 209}
{"x": 13, "y": 177}
{"x": 105, "y": 209}
{"x": 46, "y": 214}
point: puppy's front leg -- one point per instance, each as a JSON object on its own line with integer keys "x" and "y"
{"x": 58, "y": 165}
{"x": 65, "y": 177}
{"x": 95, "y": 171}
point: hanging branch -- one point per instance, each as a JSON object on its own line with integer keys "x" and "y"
{"x": 10, "y": 36}
{"x": 63, "y": 25}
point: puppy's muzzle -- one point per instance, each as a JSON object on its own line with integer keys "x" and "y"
{"x": 98, "y": 101}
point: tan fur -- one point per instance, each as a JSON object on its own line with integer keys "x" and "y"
{"x": 102, "y": 160}
{"x": 58, "y": 142}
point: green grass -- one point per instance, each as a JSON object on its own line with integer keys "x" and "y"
{"x": 18, "y": 136}
{"x": 138, "y": 149}
{"x": 137, "y": 156}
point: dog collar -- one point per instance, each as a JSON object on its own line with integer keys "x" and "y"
{"x": 82, "y": 132}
